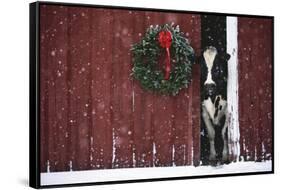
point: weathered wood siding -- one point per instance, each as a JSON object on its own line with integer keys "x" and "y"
{"x": 92, "y": 114}
{"x": 255, "y": 64}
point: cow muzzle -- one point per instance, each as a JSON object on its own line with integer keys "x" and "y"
{"x": 209, "y": 89}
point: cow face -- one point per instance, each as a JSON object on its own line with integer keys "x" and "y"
{"x": 214, "y": 72}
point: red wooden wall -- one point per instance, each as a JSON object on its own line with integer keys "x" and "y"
{"x": 92, "y": 114}
{"x": 255, "y": 87}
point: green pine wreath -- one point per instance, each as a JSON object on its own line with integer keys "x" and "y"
{"x": 147, "y": 52}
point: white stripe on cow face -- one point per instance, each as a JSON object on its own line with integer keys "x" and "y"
{"x": 209, "y": 56}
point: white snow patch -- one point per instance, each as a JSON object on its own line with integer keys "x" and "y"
{"x": 48, "y": 166}
{"x": 154, "y": 153}
{"x": 87, "y": 176}
{"x": 70, "y": 166}
{"x": 173, "y": 155}
{"x": 134, "y": 158}
{"x": 113, "y": 146}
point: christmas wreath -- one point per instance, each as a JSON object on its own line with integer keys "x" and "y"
{"x": 162, "y": 60}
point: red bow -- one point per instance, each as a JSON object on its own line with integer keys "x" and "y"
{"x": 165, "y": 40}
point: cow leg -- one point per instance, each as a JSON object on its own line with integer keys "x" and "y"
{"x": 211, "y": 133}
{"x": 225, "y": 143}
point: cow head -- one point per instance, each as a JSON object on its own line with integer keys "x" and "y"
{"x": 214, "y": 72}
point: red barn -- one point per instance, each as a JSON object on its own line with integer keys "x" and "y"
{"x": 93, "y": 115}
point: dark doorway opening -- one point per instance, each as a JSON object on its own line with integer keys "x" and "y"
{"x": 213, "y": 33}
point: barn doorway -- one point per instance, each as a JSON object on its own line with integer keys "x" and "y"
{"x": 221, "y": 33}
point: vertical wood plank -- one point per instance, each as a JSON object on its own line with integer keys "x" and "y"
{"x": 73, "y": 69}
{"x": 60, "y": 46}
{"x": 101, "y": 58}
{"x": 256, "y": 86}
{"x": 196, "y": 113}
{"x": 243, "y": 57}
{"x": 196, "y": 101}
{"x": 142, "y": 115}
{"x": 80, "y": 56}
{"x": 122, "y": 88}
{"x": 50, "y": 50}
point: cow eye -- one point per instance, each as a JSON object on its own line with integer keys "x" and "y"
{"x": 217, "y": 70}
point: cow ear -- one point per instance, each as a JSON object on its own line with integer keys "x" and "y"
{"x": 225, "y": 56}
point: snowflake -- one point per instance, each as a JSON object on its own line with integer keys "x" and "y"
{"x": 58, "y": 73}
{"x": 53, "y": 53}
{"x": 125, "y": 31}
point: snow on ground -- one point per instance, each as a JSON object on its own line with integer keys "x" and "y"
{"x": 87, "y": 176}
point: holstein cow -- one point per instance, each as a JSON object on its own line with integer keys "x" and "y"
{"x": 214, "y": 104}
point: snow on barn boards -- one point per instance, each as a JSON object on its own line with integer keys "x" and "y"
{"x": 118, "y": 92}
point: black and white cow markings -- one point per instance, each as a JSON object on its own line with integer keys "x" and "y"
{"x": 214, "y": 104}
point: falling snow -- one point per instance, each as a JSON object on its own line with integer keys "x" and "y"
{"x": 76, "y": 62}
{"x": 53, "y": 53}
